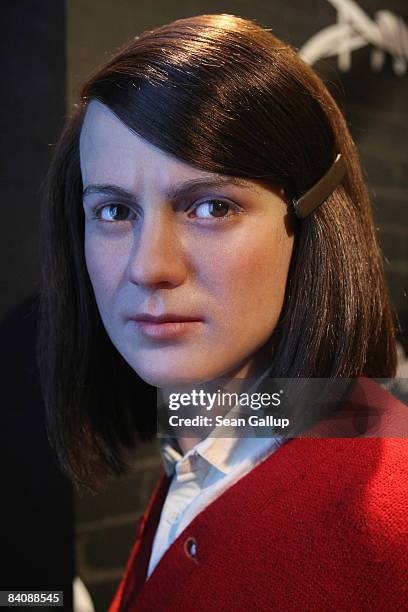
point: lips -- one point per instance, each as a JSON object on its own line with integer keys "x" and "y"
{"x": 166, "y": 327}
{"x": 165, "y": 318}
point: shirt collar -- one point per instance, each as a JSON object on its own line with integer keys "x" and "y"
{"x": 215, "y": 451}
{"x": 223, "y": 454}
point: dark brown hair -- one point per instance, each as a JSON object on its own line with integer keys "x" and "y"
{"x": 225, "y": 95}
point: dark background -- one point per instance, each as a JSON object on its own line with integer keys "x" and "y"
{"x": 36, "y": 529}
{"x": 48, "y": 47}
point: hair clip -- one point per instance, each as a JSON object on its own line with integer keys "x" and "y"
{"x": 317, "y": 194}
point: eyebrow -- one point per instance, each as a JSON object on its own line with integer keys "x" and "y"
{"x": 182, "y": 190}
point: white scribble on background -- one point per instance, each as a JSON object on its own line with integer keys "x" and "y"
{"x": 387, "y": 33}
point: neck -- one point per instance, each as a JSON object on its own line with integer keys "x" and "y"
{"x": 252, "y": 369}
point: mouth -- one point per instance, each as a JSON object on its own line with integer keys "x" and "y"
{"x": 165, "y": 327}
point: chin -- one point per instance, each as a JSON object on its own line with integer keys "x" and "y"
{"x": 167, "y": 377}
{"x": 166, "y": 380}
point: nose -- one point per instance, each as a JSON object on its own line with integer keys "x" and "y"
{"x": 157, "y": 257}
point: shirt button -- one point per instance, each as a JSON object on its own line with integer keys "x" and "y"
{"x": 190, "y": 548}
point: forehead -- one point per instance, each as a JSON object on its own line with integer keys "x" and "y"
{"x": 111, "y": 152}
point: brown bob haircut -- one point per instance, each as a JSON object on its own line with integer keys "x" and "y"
{"x": 222, "y": 94}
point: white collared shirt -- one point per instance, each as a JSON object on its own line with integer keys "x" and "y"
{"x": 199, "y": 477}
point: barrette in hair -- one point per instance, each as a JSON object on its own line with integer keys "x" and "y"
{"x": 317, "y": 194}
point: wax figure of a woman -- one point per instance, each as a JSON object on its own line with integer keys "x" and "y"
{"x": 206, "y": 216}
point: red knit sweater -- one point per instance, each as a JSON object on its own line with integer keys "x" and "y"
{"x": 321, "y": 524}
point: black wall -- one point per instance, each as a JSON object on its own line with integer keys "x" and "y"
{"x": 33, "y": 108}
{"x": 36, "y": 528}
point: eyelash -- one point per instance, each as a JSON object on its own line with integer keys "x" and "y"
{"x": 234, "y": 210}
{"x": 97, "y": 212}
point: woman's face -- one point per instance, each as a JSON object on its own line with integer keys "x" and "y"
{"x": 188, "y": 267}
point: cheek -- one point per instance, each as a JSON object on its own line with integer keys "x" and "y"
{"x": 105, "y": 265}
{"x": 250, "y": 277}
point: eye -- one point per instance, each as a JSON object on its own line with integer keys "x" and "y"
{"x": 212, "y": 209}
{"x": 115, "y": 212}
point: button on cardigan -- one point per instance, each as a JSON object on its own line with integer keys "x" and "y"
{"x": 199, "y": 477}
{"x": 321, "y": 524}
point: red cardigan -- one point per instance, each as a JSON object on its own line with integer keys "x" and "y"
{"x": 321, "y": 524}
